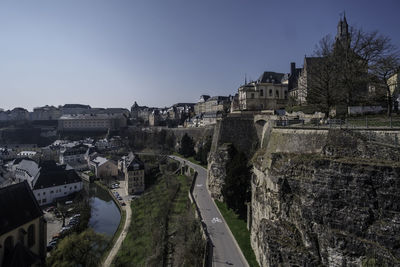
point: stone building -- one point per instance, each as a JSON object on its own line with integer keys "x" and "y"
{"x": 104, "y": 168}
{"x": 46, "y": 113}
{"x": 91, "y": 122}
{"x": 22, "y": 227}
{"x": 269, "y": 92}
{"x": 73, "y": 154}
{"x": 133, "y": 171}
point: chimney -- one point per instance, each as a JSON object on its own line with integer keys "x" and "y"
{"x": 292, "y": 68}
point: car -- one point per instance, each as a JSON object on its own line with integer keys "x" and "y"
{"x": 65, "y": 228}
{"x": 52, "y": 243}
{"x": 116, "y": 185}
{"x": 122, "y": 203}
{"x": 56, "y": 236}
{"x": 68, "y": 202}
{"x": 75, "y": 216}
{"x": 50, "y": 247}
{"x": 49, "y": 209}
{"x": 119, "y": 198}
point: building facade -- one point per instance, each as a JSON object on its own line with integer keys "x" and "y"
{"x": 269, "y": 92}
{"x": 91, "y": 122}
{"x": 22, "y": 227}
{"x": 55, "y": 182}
{"x": 133, "y": 170}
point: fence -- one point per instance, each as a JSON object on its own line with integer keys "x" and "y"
{"x": 351, "y": 123}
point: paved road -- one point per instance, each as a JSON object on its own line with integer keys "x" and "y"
{"x": 226, "y": 252}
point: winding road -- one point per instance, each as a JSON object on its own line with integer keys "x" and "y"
{"x": 226, "y": 251}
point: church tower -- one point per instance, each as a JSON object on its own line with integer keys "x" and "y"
{"x": 343, "y": 34}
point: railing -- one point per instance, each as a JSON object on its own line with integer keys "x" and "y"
{"x": 348, "y": 123}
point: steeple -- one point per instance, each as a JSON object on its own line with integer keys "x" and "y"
{"x": 343, "y": 34}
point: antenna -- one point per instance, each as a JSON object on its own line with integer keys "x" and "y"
{"x": 245, "y": 79}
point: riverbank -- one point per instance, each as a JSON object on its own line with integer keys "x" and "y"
{"x": 108, "y": 254}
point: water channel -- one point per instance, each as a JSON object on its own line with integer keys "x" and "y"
{"x": 105, "y": 215}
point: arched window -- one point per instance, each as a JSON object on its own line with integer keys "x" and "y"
{"x": 31, "y": 235}
{"x": 8, "y": 246}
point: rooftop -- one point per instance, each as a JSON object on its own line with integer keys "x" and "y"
{"x": 18, "y": 206}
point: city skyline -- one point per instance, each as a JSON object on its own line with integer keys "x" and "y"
{"x": 110, "y": 54}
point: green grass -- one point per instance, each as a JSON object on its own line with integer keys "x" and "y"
{"x": 239, "y": 230}
{"x": 161, "y": 208}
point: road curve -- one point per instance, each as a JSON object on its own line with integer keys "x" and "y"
{"x": 226, "y": 251}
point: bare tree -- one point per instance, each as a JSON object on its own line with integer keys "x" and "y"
{"x": 341, "y": 70}
{"x": 322, "y": 77}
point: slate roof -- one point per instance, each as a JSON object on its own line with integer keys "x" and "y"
{"x": 100, "y": 160}
{"x": 268, "y": 76}
{"x": 18, "y": 206}
{"x": 52, "y": 174}
{"x": 136, "y": 164}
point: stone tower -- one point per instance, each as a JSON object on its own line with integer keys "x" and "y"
{"x": 343, "y": 34}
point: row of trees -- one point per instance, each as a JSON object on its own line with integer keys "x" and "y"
{"x": 343, "y": 69}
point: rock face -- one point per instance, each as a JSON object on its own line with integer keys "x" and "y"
{"x": 237, "y": 131}
{"x": 339, "y": 206}
{"x": 216, "y": 171}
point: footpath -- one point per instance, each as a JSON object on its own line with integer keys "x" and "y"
{"x": 113, "y": 252}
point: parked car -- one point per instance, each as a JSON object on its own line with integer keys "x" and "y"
{"x": 68, "y": 202}
{"x": 49, "y": 209}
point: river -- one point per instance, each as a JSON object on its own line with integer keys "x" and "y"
{"x": 105, "y": 215}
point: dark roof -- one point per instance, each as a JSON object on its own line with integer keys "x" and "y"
{"x": 52, "y": 174}
{"x": 78, "y": 149}
{"x": 18, "y": 206}
{"x": 76, "y": 106}
{"x": 268, "y": 76}
{"x": 218, "y": 98}
{"x": 136, "y": 161}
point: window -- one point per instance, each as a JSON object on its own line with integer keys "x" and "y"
{"x": 44, "y": 193}
{"x": 261, "y": 92}
{"x": 31, "y": 235}
{"x": 277, "y": 94}
{"x": 270, "y": 92}
{"x": 43, "y": 200}
{"x": 51, "y": 192}
{"x": 8, "y": 246}
{"x": 21, "y": 235}
{"x": 75, "y": 186}
{"x": 252, "y": 95}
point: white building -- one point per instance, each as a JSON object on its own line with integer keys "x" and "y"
{"x": 55, "y": 182}
{"x": 75, "y": 154}
{"x": 26, "y": 170}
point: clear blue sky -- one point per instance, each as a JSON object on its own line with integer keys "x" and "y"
{"x": 111, "y": 53}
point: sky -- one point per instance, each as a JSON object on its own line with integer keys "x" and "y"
{"x": 110, "y": 53}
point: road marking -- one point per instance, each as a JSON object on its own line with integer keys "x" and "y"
{"x": 199, "y": 185}
{"x": 216, "y": 219}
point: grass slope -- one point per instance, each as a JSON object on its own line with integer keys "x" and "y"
{"x": 162, "y": 230}
{"x": 239, "y": 230}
